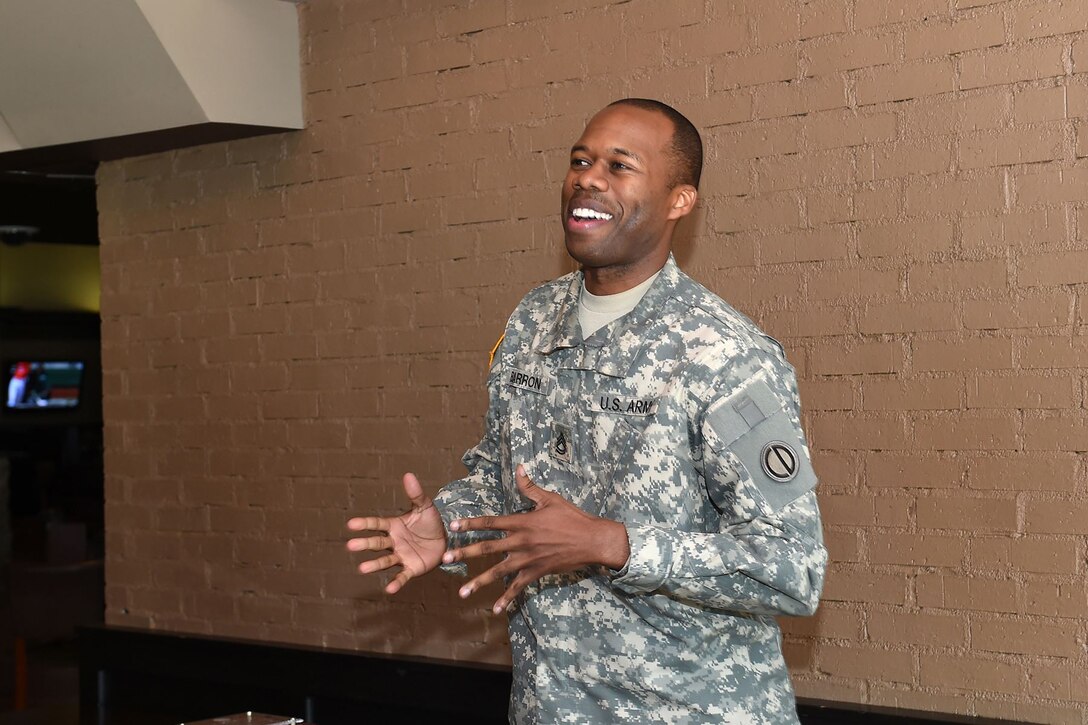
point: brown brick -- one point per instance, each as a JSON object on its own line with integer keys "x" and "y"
{"x": 1021, "y": 637}
{"x": 1026, "y": 145}
{"x": 966, "y": 432}
{"x": 852, "y": 433}
{"x": 830, "y": 55}
{"x": 776, "y": 210}
{"x": 832, "y": 623}
{"x": 918, "y": 550}
{"x": 1034, "y": 105}
{"x": 865, "y": 358}
{"x": 955, "y": 194}
{"x": 869, "y": 13}
{"x": 1048, "y": 18}
{"x": 1024, "y": 472}
{"x": 914, "y": 238}
{"x": 1053, "y": 352}
{"x": 967, "y": 593}
{"x": 902, "y": 82}
{"x": 1056, "y": 517}
{"x": 852, "y": 283}
{"x": 835, "y": 129}
{"x": 1022, "y": 392}
{"x": 510, "y": 41}
{"x": 1061, "y": 600}
{"x": 909, "y": 317}
{"x": 1053, "y": 269}
{"x": 974, "y": 514}
{"x": 1009, "y": 65}
{"x": 475, "y": 80}
{"x": 823, "y": 17}
{"x": 942, "y": 39}
{"x": 1039, "y": 227}
{"x": 935, "y": 394}
{"x": 945, "y": 277}
{"x": 481, "y": 15}
{"x": 747, "y": 70}
{"x": 843, "y": 546}
{"x": 859, "y": 585}
{"x": 1042, "y": 310}
{"x": 1080, "y": 55}
{"x": 970, "y": 673}
{"x": 1040, "y": 555}
{"x": 866, "y": 663}
{"x": 909, "y": 471}
{"x": 924, "y": 156}
{"x": 924, "y": 629}
{"x": 804, "y": 96}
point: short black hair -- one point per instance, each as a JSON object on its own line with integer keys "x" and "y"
{"x": 687, "y": 146}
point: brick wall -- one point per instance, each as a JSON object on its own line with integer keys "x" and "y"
{"x": 894, "y": 188}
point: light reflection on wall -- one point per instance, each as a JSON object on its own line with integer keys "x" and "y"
{"x": 50, "y": 277}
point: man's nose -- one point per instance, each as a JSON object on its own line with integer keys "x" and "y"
{"x": 591, "y": 178}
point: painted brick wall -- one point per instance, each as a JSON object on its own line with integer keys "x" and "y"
{"x": 895, "y": 188}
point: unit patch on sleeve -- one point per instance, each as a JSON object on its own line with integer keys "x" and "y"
{"x": 779, "y": 461}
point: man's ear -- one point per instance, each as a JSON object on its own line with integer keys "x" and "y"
{"x": 682, "y": 198}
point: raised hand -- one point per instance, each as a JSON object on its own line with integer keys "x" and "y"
{"x": 415, "y": 540}
{"x": 556, "y": 536}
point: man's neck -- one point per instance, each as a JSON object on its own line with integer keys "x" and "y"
{"x": 602, "y": 281}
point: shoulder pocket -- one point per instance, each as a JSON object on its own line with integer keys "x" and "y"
{"x": 756, "y": 427}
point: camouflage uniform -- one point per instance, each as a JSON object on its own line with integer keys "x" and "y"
{"x": 680, "y": 420}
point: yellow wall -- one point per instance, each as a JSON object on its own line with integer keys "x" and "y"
{"x": 49, "y": 277}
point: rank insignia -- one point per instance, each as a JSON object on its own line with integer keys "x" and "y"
{"x": 562, "y": 448}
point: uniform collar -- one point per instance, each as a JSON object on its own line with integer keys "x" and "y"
{"x": 613, "y": 348}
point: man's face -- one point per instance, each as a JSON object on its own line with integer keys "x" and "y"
{"x": 618, "y": 209}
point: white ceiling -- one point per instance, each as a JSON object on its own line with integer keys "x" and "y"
{"x": 82, "y": 70}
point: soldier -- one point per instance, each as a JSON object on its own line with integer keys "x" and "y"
{"x": 643, "y": 469}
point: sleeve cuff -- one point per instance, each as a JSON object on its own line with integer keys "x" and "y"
{"x": 648, "y": 565}
{"x": 453, "y": 541}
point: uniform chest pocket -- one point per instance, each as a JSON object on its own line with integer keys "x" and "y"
{"x": 535, "y": 437}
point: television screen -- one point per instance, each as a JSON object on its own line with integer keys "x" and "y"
{"x": 43, "y": 385}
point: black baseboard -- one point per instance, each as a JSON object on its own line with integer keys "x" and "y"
{"x": 155, "y": 678}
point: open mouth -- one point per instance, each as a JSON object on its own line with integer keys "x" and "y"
{"x": 584, "y": 218}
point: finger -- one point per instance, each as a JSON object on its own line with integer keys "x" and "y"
{"x": 525, "y": 484}
{"x": 378, "y": 564}
{"x": 482, "y": 548}
{"x": 371, "y": 543}
{"x": 414, "y": 489}
{"x": 485, "y": 523}
{"x": 369, "y": 523}
{"x": 516, "y": 587}
{"x": 493, "y": 574}
{"x": 398, "y": 582}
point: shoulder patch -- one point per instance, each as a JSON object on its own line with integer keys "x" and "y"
{"x": 756, "y": 427}
{"x": 495, "y": 349}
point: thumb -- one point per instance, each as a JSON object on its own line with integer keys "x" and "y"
{"x": 527, "y": 487}
{"x": 414, "y": 489}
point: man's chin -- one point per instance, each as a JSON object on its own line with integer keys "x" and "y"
{"x": 584, "y": 250}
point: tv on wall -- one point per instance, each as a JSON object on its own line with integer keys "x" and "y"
{"x": 43, "y": 384}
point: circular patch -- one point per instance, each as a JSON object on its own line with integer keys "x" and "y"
{"x": 779, "y": 461}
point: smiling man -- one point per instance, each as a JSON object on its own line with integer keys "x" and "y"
{"x": 643, "y": 469}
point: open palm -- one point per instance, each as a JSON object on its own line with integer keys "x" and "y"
{"x": 414, "y": 541}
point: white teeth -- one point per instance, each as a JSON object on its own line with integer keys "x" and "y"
{"x": 583, "y": 213}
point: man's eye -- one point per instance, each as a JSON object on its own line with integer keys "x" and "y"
{"x": 618, "y": 166}
{"x": 579, "y": 162}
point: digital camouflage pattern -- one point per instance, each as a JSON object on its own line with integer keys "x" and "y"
{"x": 679, "y": 420}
